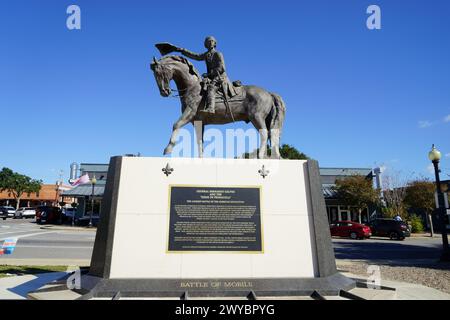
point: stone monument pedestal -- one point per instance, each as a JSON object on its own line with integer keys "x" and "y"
{"x": 174, "y": 227}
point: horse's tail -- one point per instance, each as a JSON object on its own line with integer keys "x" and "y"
{"x": 277, "y": 113}
{"x": 275, "y": 123}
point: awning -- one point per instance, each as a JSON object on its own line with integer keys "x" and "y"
{"x": 85, "y": 190}
{"x": 328, "y": 191}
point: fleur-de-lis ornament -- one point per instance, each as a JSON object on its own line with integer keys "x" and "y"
{"x": 263, "y": 172}
{"x": 167, "y": 170}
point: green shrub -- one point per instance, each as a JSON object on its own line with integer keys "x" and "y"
{"x": 416, "y": 223}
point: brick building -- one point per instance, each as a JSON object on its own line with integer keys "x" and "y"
{"x": 50, "y": 194}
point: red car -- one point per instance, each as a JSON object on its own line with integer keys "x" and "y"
{"x": 350, "y": 229}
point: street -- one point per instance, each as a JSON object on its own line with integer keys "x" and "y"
{"x": 46, "y": 246}
{"x": 36, "y": 244}
{"x": 389, "y": 252}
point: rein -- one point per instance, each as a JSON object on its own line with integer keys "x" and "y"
{"x": 179, "y": 91}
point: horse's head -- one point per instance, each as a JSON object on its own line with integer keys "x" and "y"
{"x": 163, "y": 74}
{"x": 174, "y": 68}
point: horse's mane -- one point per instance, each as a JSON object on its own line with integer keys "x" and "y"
{"x": 181, "y": 59}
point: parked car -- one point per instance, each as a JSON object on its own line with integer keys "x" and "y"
{"x": 84, "y": 221}
{"x": 48, "y": 214}
{"x": 395, "y": 230}
{"x": 69, "y": 214}
{"x": 7, "y": 212}
{"x": 350, "y": 229}
{"x": 25, "y": 212}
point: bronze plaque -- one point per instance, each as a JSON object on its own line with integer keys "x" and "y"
{"x": 204, "y": 218}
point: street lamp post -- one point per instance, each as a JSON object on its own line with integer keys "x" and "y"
{"x": 93, "y": 182}
{"x": 57, "y": 188}
{"x": 434, "y": 155}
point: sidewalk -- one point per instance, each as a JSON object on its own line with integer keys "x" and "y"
{"x": 403, "y": 291}
{"x": 17, "y": 287}
{"x": 425, "y": 235}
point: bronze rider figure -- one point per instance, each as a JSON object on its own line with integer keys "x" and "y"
{"x": 216, "y": 76}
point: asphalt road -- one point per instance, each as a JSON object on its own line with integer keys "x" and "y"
{"x": 413, "y": 250}
{"x": 46, "y": 246}
{"x": 49, "y": 246}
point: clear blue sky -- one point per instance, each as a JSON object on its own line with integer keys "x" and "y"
{"x": 354, "y": 97}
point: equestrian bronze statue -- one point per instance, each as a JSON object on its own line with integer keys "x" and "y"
{"x": 214, "y": 99}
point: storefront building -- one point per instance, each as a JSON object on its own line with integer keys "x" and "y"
{"x": 49, "y": 195}
{"x": 336, "y": 210}
{"x": 88, "y": 196}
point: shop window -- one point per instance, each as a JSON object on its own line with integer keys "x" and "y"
{"x": 333, "y": 214}
{"x": 344, "y": 215}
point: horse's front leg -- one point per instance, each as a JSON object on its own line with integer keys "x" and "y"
{"x": 185, "y": 118}
{"x": 199, "y": 129}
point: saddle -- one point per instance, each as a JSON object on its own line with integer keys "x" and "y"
{"x": 238, "y": 96}
{"x": 220, "y": 98}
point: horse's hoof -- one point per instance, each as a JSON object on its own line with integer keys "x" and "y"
{"x": 167, "y": 150}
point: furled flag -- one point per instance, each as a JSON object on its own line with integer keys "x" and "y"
{"x": 81, "y": 180}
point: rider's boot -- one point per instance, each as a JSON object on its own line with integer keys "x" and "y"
{"x": 211, "y": 102}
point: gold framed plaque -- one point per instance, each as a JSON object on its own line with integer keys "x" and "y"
{"x": 223, "y": 219}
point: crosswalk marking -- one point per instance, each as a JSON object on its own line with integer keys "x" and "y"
{"x": 29, "y": 235}
{"x": 17, "y": 231}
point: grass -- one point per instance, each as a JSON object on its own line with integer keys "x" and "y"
{"x": 6, "y": 270}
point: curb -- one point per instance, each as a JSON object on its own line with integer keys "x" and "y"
{"x": 93, "y": 229}
{"x": 45, "y": 262}
{"x": 424, "y": 235}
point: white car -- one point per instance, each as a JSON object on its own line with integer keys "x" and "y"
{"x": 25, "y": 212}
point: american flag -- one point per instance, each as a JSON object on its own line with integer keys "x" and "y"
{"x": 81, "y": 180}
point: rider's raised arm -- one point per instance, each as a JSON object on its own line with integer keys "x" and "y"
{"x": 193, "y": 55}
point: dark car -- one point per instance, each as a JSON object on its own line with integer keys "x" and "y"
{"x": 395, "y": 230}
{"x": 350, "y": 229}
{"x": 7, "y": 212}
{"x": 48, "y": 214}
{"x": 3, "y": 213}
{"x": 69, "y": 214}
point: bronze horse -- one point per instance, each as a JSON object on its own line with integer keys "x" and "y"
{"x": 263, "y": 109}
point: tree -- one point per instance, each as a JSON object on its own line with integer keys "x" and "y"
{"x": 289, "y": 152}
{"x": 420, "y": 195}
{"x": 286, "y": 151}
{"x": 394, "y": 192}
{"x": 357, "y": 191}
{"x": 16, "y": 184}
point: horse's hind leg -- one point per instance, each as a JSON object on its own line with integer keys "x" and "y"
{"x": 274, "y": 139}
{"x": 275, "y": 143}
{"x": 260, "y": 125}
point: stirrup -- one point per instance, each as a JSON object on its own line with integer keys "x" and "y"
{"x": 208, "y": 110}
